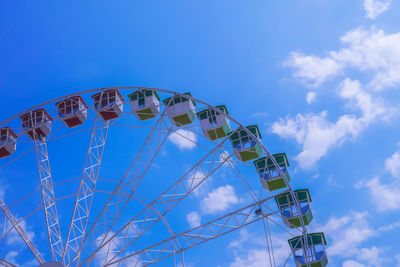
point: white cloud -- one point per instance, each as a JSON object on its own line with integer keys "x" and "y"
{"x": 371, "y": 108}
{"x": 364, "y": 50}
{"x": 311, "y": 97}
{"x": 389, "y": 227}
{"x": 371, "y": 255}
{"x": 193, "y": 219}
{"x": 219, "y": 200}
{"x": 253, "y": 258}
{"x": 110, "y": 249}
{"x": 351, "y": 263}
{"x": 313, "y": 70}
{"x": 184, "y": 139}
{"x": 2, "y": 190}
{"x": 107, "y": 252}
{"x": 250, "y": 249}
{"x": 347, "y": 233}
{"x": 14, "y": 238}
{"x": 10, "y": 257}
{"x": 317, "y": 135}
{"x": 374, "y": 8}
{"x": 392, "y": 164}
{"x": 386, "y": 197}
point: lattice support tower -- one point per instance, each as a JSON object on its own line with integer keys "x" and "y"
{"x": 126, "y": 187}
{"x": 86, "y": 189}
{"x": 48, "y": 199}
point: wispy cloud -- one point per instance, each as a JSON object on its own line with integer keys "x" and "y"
{"x": 317, "y": 135}
{"x": 348, "y": 234}
{"x": 374, "y": 8}
{"x": 313, "y": 70}
{"x": 385, "y": 197}
{"x": 392, "y": 164}
{"x": 311, "y": 97}
{"x": 364, "y": 50}
{"x": 250, "y": 250}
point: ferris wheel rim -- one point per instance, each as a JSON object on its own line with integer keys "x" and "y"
{"x": 228, "y": 116}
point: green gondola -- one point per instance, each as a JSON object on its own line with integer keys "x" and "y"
{"x": 244, "y": 146}
{"x": 214, "y": 124}
{"x": 270, "y": 178}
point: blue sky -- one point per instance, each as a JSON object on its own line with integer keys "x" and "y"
{"x": 318, "y": 77}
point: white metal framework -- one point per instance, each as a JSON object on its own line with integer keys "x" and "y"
{"x": 113, "y": 229}
{"x": 201, "y": 234}
{"x": 21, "y": 233}
{"x": 86, "y": 189}
{"x": 48, "y": 199}
{"x": 6, "y": 263}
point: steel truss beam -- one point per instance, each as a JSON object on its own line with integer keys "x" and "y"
{"x": 156, "y": 210}
{"x": 6, "y": 263}
{"x": 21, "y": 233}
{"x": 84, "y": 198}
{"x": 126, "y": 187}
{"x": 48, "y": 199}
{"x": 199, "y": 235}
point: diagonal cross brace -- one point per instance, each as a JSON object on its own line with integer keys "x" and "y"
{"x": 21, "y": 233}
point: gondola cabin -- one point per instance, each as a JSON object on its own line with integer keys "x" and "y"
{"x": 270, "y": 178}
{"x": 214, "y": 124}
{"x": 244, "y": 146}
{"x": 8, "y": 142}
{"x": 180, "y": 109}
{"x": 36, "y": 124}
{"x": 145, "y": 104}
{"x": 289, "y": 211}
{"x": 108, "y": 104}
{"x": 315, "y": 250}
{"x": 72, "y": 111}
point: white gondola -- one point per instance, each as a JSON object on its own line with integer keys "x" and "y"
{"x": 145, "y": 104}
{"x": 108, "y": 104}
{"x": 180, "y": 109}
{"x": 36, "y": 124}
{"x": 72, "y": 111}
{"x": 214, "y": 124}
{"x": 8, "y": 142}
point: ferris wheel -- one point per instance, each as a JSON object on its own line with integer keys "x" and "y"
{"x": 105, "y": 177}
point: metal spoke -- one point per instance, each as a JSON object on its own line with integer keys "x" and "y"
{"x": 48, "y": 199}
{"x": 128, "y": 184}
{"x": 83, "y": 202}
{"x": 6, "y": 263}
{"x": 20, "y": 232}
{"x": 166, "y": 201}
{"x": 199, "y": 235}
